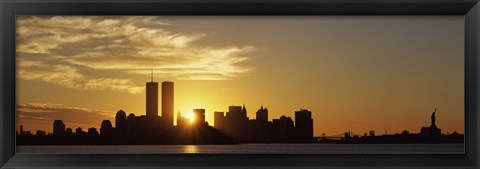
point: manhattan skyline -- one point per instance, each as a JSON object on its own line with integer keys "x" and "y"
{"x": 353, "y": 73}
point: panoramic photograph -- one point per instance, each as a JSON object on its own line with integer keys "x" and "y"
{"x": 240, "y": 84}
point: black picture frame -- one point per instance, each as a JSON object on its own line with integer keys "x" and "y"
{"x": 11, "y": 8}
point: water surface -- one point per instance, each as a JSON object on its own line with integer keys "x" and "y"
{"x": 252, "y": 149}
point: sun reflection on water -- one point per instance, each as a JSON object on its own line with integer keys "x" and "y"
{"x": 190, "y": 149}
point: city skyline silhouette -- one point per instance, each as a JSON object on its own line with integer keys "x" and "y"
{"x": 167, "y": 95}
{"x": 232, "y": 127}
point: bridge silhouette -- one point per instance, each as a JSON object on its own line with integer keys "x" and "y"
{"x": 335, "y": 137}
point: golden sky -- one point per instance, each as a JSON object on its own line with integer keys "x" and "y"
{"x": 355, "y": 73}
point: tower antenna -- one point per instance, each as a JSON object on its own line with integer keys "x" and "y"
{"x": 152, "y": 76}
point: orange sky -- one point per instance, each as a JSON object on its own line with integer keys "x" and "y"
{"x": 355, "y": 73}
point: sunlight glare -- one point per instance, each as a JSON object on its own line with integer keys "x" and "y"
{"x": 190, "y": 116}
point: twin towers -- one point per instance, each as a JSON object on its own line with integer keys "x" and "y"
{"x": 167, "y": 100}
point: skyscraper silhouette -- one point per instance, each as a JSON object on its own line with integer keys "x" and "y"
{"x": 58, "y": 128}
{"x": 235, "y": 112}
{"x": 121, "y": 124}
{"x": 106, "y": 128}
{"x": 181, "y": 121}
{"x": 236, "y": 122}
{"x": 167, "y": 102}
{"x": 199, "y": 116}
{"x": 218, "y": 120}
{"x": 286, "y": 128}
{"x": 304, "y": 125}
{"x": 262, "y": 115}
{"x": 152, "y": 98}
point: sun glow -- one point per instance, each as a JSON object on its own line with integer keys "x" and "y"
{"x": 190, "y": 116}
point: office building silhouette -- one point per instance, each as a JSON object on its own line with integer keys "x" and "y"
{"x": 152, "y": 98}
{"x": 106, "y": 128}
{"x": 68, "y": 131}
{"x": 79, "y": 132}
{"x": 167, "y": 102}
{"x": 92, "y": 131}
{"x": 286, "y": 129}
{"x": 58, "y": 128}
{"x": 182, "y": 122}
{"x": 131, "y": 120}
{"x": 121, "y": 124}
{"x": 43, "y": 133}
{"x": 218, "y": 119}
{"x": 304, "y": 125}
{"x": 261, "y": 131}
{"x": 237, "y": 121}
{"x": 262, "y": 115}
{"x": 199, "y": 116}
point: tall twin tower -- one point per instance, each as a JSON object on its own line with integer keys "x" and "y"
{"x": 167, "y": 100}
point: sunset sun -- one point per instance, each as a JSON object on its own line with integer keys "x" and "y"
{"x": 190, "y": 116}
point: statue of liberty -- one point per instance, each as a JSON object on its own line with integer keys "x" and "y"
{"x": 433, "y": 117}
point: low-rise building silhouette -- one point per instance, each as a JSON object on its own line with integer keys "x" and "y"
{"x": 92, "y": 131}
{"x": 68, "y": 131}
{"x": 41, "y": 133}
{"x": 79, "y": 132}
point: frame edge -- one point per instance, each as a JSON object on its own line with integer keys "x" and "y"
{"x": 472, "y": 61}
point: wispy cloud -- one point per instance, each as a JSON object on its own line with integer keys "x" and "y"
{"x": 72, "y": 116}
{"x": 115, "y": 84}
{"x": 57, "y": 74}
{"x": 127, "y": 44}
{"x": 69, "y": 77}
